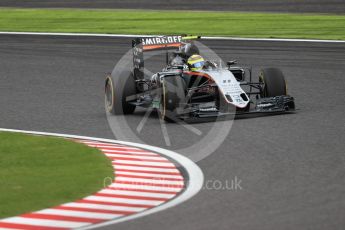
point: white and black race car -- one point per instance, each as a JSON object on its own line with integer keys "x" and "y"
{"x": 178, "y": 93}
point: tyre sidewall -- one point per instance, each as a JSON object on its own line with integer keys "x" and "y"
{"x": 173, "y": 93}
{"x": 122, "y": 87}
{"x": 274, "y": 82}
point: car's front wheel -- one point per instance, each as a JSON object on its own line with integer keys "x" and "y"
{"x": 273, "y": 82}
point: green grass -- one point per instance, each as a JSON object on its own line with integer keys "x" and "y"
{"x": 262, "y": 25}
{"x": 38, "y": 172}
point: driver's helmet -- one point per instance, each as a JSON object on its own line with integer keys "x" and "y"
{"x": 195, "y": 62}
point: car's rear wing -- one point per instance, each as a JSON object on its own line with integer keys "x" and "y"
{"x": 154, "y": 43}
{"x": 144, "y": 44}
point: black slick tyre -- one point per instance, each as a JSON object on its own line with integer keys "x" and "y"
{"x": 274, "y": 83}
{"x": 117, "y": 89}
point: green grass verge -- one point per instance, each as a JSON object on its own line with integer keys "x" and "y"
{"x": 38, "y": 172}
{"x": 261, "y": 25}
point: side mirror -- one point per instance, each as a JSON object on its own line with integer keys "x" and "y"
{"x": 230, "y": 63}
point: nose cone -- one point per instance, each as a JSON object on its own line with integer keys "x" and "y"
{"x": 229, "y": 87}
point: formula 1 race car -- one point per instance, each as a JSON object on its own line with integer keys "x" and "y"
{"x": 179, "y": 93}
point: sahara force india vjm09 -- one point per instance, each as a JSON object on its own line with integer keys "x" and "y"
{"x": 191, "y": 87}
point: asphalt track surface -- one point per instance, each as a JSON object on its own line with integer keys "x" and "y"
{"x": 291, "y": 166}
{"x": 315, "y": 6}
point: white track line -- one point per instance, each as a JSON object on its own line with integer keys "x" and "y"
{"x": 137, "y": 35}
{"x": 274, "y": 39}
{"x": 126, "y": 196}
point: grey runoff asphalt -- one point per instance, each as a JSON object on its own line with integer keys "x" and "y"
{"x": 291, "y": 167}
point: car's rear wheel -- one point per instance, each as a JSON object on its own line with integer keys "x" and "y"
{"x": 173, "y": 93}
{"x": 116, "y": 92}
{"x": 274, "y": 83}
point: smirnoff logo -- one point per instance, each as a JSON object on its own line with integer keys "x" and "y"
{"x": 161, "y": 40}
